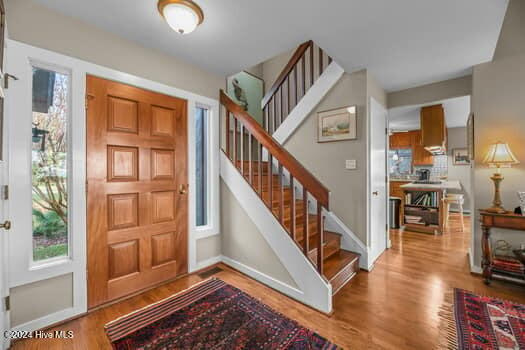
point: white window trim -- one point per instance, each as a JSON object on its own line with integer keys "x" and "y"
{"x": 77, "y": 263}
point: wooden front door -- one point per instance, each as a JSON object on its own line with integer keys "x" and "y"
{"x": 136, "y": 189}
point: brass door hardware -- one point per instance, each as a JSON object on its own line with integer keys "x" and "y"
{"x": 6, "y": 225}
{"x": 183, "y": 189}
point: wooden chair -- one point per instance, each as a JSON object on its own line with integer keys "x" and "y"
{"x": 456, "y": 199}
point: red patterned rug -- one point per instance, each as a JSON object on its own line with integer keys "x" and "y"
{"x": 475, "y": 322}
{"x": 211, "y": 315}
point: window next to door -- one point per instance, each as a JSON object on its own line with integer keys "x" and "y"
{"x": 201, "y": 166}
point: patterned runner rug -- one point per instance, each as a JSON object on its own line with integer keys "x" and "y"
{"x": 211, "y": 315}
{"x": 473, "y": 322}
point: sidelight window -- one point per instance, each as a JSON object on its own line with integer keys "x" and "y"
{"x": 49, "y": 163}
{"x": 201, "y": 163}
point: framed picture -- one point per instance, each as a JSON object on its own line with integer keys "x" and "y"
{"x": 470, "y": 136}
{"x": 461, "y": 156}
{"x": 247, "y": 91}
{"x": 337, "y": 124}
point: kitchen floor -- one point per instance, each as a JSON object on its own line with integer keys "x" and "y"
{"x": 395, "y": 306}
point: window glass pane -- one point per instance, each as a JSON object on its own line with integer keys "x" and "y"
{"x": 201, "y": 171}
{"x": 400, "y": 162}
{"x": 49, "y": 164}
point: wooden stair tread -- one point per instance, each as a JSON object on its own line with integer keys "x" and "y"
{"x": 338, "y": 262}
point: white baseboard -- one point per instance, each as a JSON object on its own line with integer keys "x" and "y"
{"x": 47, "y": 320}
{"x": 473, "y": 267}
{"x": 263, "y": 278}
{"x": 208, "y": 262}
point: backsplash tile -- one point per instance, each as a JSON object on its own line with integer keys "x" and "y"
{"x": 439, "y": 168}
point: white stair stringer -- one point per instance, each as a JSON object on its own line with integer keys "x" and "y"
{"x": 310, "y": 100}
{"x": 313, "y": 289}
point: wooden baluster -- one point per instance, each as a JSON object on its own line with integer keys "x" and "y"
{"x": 227, "y": 133}
{"x": 320, "y": 61}
{"x": 241, "y": 162}
{"x": 264, "y": 118}
{"x": 305, "y": 222}
{"x": 270, "y": 183}
{"x": 295, "y": 83}
{"x": 292, "y": 208}
{"x": 281, "y": 195}
{"x": 281, "y": 115}
{"x": 250, "y": 171}
{"x": 320, "y": 238}
{"x": 311, "y": 65}
{"x": 303, "y": 66}
{"x": 260, "y": 169}
{"x": 274, "y": 99}
{"x": 288, "y": 104}
{"x": 235, "y": 141}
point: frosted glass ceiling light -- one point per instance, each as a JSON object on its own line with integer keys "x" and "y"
{"x": 183, "y": 16}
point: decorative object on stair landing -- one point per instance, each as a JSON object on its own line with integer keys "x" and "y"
{"x": 211, "y": 315}
{"x": 247, "y": 91}
{"x": 337, "y": 124}
{"x": 499, "y": 156}
{"x": 470, "y": 321}
{"x": 183, "y": 16}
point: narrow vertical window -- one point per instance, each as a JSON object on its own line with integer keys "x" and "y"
{"x": 49, "y": 137}
{"x": 201, "y": 171}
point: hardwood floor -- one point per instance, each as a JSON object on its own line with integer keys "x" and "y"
{"x": 393, "y": 307}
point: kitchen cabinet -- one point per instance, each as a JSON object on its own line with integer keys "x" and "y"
{"x": 420, "y": 156}
{"x": 434, "y": 129}
{"x": 400, "y": 140}
{"x": 395, "y": 188}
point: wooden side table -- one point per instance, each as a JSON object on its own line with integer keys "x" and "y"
{"x": 509, "y": 221}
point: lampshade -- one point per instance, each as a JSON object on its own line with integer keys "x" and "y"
{"x": 183, "y": 16}
{"x": 500, "y": 155}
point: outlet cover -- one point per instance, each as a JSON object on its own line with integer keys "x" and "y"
{"x": 351, "y": 164}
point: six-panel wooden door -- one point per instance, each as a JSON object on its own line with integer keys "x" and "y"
{"x": 136, "y": 189}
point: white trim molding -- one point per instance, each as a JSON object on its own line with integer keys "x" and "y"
{"x": 20, "y": 53}
{"x": 314, "y": 289}
{"x": 310, "y": 100}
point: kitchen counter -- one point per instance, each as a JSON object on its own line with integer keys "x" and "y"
{"x": 444, "y": 185}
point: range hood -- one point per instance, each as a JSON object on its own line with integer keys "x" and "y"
{"x": 434, "y": 130}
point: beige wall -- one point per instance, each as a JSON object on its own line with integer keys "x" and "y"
{"x": 36, "y": 25}
{"x": 457, "y": 138}
{"x": 272, "y": 68}
{"x": 326, "y": 161}
{"x": 208, "y": 248}
{"x": 499, "y": 110}
{"x": 431, "y": 92}
{"x": 375, "y": 90}
{"x": 41, "y": 298}
{"x": 243, "y": 242}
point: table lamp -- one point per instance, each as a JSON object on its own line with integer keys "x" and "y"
{"x": 499, "y": 156}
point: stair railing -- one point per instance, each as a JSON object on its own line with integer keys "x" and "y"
{"x": 300, "y": 73}
{"x": 244, "y": 144}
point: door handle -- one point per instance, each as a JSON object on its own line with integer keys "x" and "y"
{"x": 183, "y": 189}
{"x": 375, "y": 193}
{"x": 6, "y": 225}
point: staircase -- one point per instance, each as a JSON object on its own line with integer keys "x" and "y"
{"x": 293, "y": 195}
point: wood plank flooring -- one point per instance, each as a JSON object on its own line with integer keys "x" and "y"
{"x": 393, "y": 307}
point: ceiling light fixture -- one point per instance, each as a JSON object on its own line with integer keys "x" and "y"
{"x": 183, "y": 16}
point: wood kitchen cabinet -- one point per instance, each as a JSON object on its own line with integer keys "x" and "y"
{"x": 400, "y": 140}
{"x": 434, "y": 128}
{"x": 420, "y": 156}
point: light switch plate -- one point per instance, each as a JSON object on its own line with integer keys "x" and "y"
{"x": 351, "y": 164}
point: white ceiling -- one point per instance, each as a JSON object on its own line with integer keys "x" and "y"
{"x": 404, "y": 43}
{"x": 456, "y": 110}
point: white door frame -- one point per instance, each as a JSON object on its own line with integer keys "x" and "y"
{"x": 4, "y": 290}
{"x": 372, "y": 256}
{"x": 23, "y": 53}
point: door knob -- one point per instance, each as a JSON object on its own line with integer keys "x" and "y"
{"x": 183, "y": 189}
{"x": 375, "y": 193}
{"x": 6, "y": 225}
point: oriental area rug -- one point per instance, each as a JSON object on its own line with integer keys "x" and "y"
{"x": 473, "y": 322}
{"x": 211, "y": 315}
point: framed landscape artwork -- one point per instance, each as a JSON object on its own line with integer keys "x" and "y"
{"x": 337, "y": 124}
{"x": 461, "y": 156}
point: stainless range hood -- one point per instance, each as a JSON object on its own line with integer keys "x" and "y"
{"x": 434, "y": 130}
